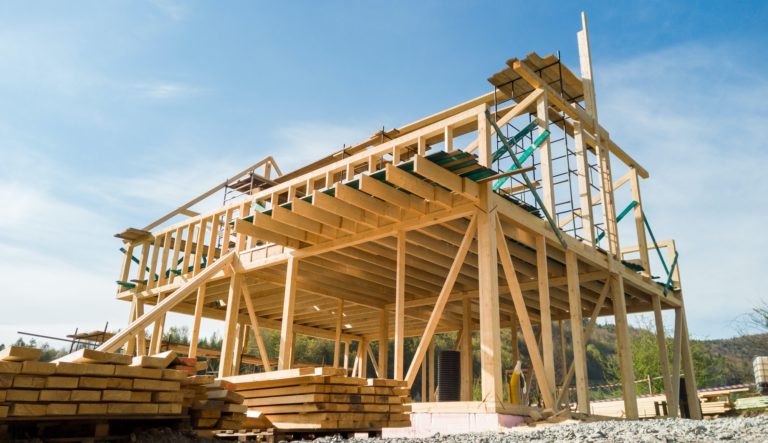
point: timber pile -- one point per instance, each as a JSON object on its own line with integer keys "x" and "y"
{"x": 217, "y": 406}
{"x": 324, "y": 398}
{"x": 88, "y": 383}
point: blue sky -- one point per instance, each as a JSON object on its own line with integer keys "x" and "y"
{"x": 112, "y": 113}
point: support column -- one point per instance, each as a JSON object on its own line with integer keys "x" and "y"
{"x": 466, "y": 350}
{"x": 514, "y": 335}
{"x": 400, "y": 306}
{"x": 195, "y": 333}
{"x": 585, "y": 189}
{"x": 286, "y": 328}
{"x": 624, "y": 348}
{"x": 362, "y": 352}
{"x": 240, "y": 347}
{"x": 547, "y": 183}
{"x": 642, "y": 242}
{"x": 661, "y": 341}
{"x": 156, "y": 341}
{"x": 230, "y": 325}
{"x": 690, "y": 376}
{"x": 577, "y": 338}
{"x": 488, "y": 279}
{"x": 130, "y": 347}
{"x": 141, "y": 341}
{"x": 431, "y": 370}
{"x": 346, "y": 354}
{"x": 547, "y": 351}
{"x": 337, "y": 339}
{"x": 383, "y": 343}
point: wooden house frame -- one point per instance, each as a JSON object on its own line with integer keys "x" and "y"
{"x": 404, "y": 235}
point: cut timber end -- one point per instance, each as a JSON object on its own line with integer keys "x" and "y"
{"x": 19, "y": 353}
{"x": 93, "y": 356}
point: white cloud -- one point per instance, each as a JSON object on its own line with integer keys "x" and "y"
{"x": 167, "y": 91}
{"x": 694, "y": 116}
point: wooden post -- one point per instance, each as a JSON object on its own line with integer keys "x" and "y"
{"x": 514, "y": 331}
{"x": 694, "y": 408}
{"x": 547, "y": 183}
{"x": 466, "y": 350}
{"x": 522, "y": 315}
{"x": 642, "y": 242}
{"x": 286, "y": 329}
{"x": 156, "y": 341}
{"x": 337, "y": 338}
{"x": 547, "y": 346}
{"x": 346, "y": 354}
{"x": 241, "y": 346}
{"x": 488, "y": 277}
{"x": 431, "y": 370}
{"x": 400, "y": 306}
{"x": 661, "y": 341}
{"x": 141, "y": 344}
{"x": 256, "y": 329}
{"x": 585, "y": 188}
{"x": 363, "y": 355}
{"x": 579, "y": 347}
{"x": 383, "y": 343}
{"x": 230, "y": 324}
{"x": 130, "y": 348}
{"x": 624, "y": 348}
{"x": 563, "y": 361}
{"x": 424, "y": 380}
{"x": 195, "y": 333}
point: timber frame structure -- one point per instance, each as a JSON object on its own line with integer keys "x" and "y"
{"x": 445, "y": 224}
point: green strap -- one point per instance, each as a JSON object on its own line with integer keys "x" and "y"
{"x": 515, "y": 139}
{"x": 656, "y": 244}
{"x": 623, "y": 214}
{"x": 126, "y": 284}
{"x": 668, "y": 284}
{"x": 527, "y": 153}
{"x": 527, "y": 180}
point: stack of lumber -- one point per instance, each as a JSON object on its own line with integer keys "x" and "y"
{"x": 218, "y": 407}
{"x": 324, "y": 398}
{"x": 88, "y": 383}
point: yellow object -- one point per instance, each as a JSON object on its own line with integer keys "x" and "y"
{"x": 514, "y": 384}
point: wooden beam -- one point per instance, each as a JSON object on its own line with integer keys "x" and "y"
{"x": 547, "y": 182}
{"x": 431, "y": 371}
{"x": 624, "y": 348}
{"x": 339, "y": 325}
{"x": 466, "y": 350}
{"x": 400, "y": 306}
{"x": 446, "y": 178}
{"x": 256, "y": 329}
{"x": 169, "y": 302}
{"x": 195, "y": 334}
{"x": 437, "y": 312}
{"x": 383, "y": 343}
{"x": 642, "y": 242}
{"x": 545, "y": 313}
{"x": 585, "y": 187}
{"x": 661, "y": 342}
{"x": 230, "y": 325}
{"x": 522, "y": 316}
{"x": 289, "y": 302}
{"x": 577, "y": 339}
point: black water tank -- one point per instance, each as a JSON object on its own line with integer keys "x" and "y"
{"x": 449, "y": 376}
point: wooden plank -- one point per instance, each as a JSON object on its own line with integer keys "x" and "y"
{"x": 584, "y": 183}
{"x": 96, "y": 356}
{"x": 19, "y": 353}
{"x": 38, "y": 368}
{"x": 446, "y": 178}
{"x": 337, "y": 339}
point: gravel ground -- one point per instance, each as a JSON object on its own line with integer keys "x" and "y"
{"x": 752, "y": 429}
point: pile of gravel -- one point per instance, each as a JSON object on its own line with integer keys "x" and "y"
{"x": 752, "y": 429}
